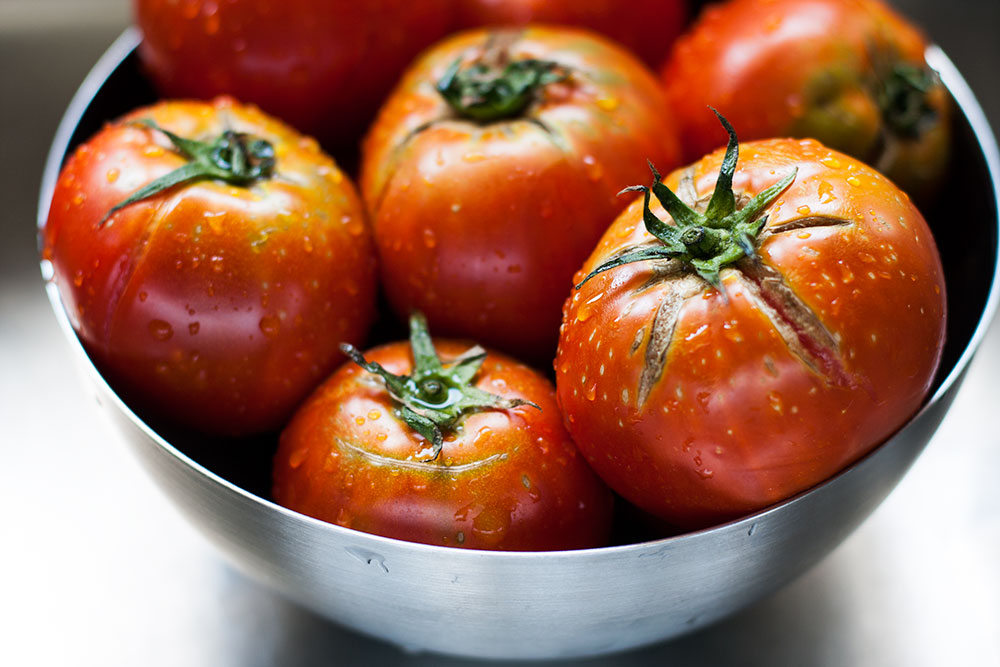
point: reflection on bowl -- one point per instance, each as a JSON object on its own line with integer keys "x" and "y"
{"x": 557, "y": 604}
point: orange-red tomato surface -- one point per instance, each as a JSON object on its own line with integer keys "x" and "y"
{"x": 504, "y": 480}
{"x": 323, "y": 66}
{"x": 481, "y": 225}
{"x": 217, "y": 306}
{"x": 647, "y": 27}
{"x": 833, "y": 70}
{"x": 802, "y": 363}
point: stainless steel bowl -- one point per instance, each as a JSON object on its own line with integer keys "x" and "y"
{"x": 557, "y": 604}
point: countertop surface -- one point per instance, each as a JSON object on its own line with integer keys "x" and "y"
{"x": 97, "y": 568}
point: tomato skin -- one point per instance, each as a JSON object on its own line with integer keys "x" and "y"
{"x": 506, "y": 480}
{"x": 646, "y": 27}
{"x": 806, "y": 68}
{"x": 321, "y": 65}
{"x": 481, "y": 225}
{"x": 215, "y": 306}
{"x": 738, "y": 420}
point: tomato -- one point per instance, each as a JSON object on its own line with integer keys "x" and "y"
{"x": 493, "y": 169}
{"x": 757, "y": 344}
{"x": 849, "y": 73}
{"x": 322, "y": 65}
{"x": 218, "y": 306}
{"x": 406, "y": 446}
{"x": 646, "y": 27}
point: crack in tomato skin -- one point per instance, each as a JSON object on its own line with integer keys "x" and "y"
{"x": 737, "y": 419}
{"x": 185, "y": 330}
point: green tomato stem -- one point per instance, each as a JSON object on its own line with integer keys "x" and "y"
{"x": 435, "y": 396}
{"x": 233, "y": 157}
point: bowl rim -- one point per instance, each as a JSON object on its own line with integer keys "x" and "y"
{"x": 129, "y": 40}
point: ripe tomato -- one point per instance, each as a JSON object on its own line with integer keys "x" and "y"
{"x": 219, "y": 306}
{"x": 483, "y": 206}
{"x": 646, "y": 27}
{"x": 726, "y": 372}
{"x": 433, "y": 457}
{"x": 322, "y": 65}
{"x": 849, "y": 73}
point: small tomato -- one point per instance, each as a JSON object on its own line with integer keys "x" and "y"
{"x": 493, "y": 169}
{"x": 404, "y": 445}
{"x": 848, "y": 73}
{"x": 210, "y": 259}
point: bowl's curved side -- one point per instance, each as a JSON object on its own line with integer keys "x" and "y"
{"x": 540, "y": 605}
{"x": 557, "y": 604}
{"x": 986, "y": 144}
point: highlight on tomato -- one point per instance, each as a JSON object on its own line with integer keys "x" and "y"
{"x": 441, "y": 443}
{"x": 493, "y": 169}
{"x": 750, "y": 326}
{"x": 210, "y": 259}
{"x": 848, "y": 73}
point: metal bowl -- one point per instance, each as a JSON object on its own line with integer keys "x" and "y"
{"x": 557, "y": 604}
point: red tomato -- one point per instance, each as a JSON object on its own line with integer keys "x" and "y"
{"x": 646, "y": 27}
{"x": 321, "y": 65}
{"x": 432, "y": 457}
{"x": 849, "y": 73}
{"x": 702, "y": 390}
{"x": 483, "y": 207}
{"x": 218, "y": 306}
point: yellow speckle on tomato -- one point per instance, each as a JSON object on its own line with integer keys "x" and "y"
{"x": 607, "y": 103}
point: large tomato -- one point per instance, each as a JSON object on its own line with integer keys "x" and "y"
{"x": 217, "y": 302}
{"x": 321, "y": 65}
{"x": 493, "y": 169}
{"x": 467, "y": 453}
{"x": 647, "y": 27}
{"x": 756, "y": 344}
{"x": 849, "y": 73}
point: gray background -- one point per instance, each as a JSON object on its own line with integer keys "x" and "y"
{"x": 96, "y": 568}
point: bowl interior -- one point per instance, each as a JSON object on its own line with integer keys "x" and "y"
{"x": 964, "y": 219}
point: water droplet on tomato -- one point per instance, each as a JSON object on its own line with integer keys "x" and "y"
{"x": 112, "y": 175}
{"x": 160, "y": 330}
{"x": 355, "y": 227}
{"x": 430, "y": 240}
{"x": 270, "y": 325}
{"x": 803, "y": 210}
{"x": 826, "y": 193}
{"x": 193, "y": 328}
{"x": 297, "y": 457}
{"x": 607, "y": 103}
{"x": 212, "y": 25}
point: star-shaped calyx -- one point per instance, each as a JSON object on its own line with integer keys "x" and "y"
{"x": 232, "y": 157}
{"x": 705, "y": 241}
{"x": 707, "y": 236}
{"x": 435, "y": 395}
